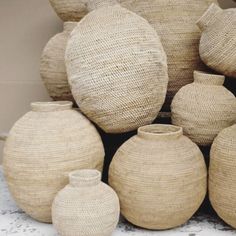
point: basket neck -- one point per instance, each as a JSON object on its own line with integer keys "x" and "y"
{"x": 208, "y": 79}
{"x": 69, "y": 26}
{"x": 96, "y": 4}
{"x": 51, "y": 106}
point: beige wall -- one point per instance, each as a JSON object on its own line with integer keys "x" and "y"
{"x": 26, "y": 26}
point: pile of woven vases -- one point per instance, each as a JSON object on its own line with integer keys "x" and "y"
{"x": 120, "y": 65}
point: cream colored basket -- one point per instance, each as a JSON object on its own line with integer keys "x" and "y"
{"x": 203, "y": 108}
{"x": 42, "y": 148}
{"x": 86, "y": 206}
{"x": 159, "y": 176}
{"x": 116, "y": 67}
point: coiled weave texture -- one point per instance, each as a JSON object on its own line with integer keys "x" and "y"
{"x": 159, "y": 176}
{"x": 117, "y": 69}
{"x": 42, "y": 148}
{"x": 222, "y": 175}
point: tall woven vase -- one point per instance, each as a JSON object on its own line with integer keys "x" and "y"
{"x": 175, "y": 22}
{"x": 86, "y": 206}
{"x": 218, "y": 40}
{"x": 42, "y": 148}
{"x": 222, "y": 175}
{"x": 203, "y": 108}
{"x": 69, "y": 10}
{"x": 117, "y": 68}
{"x": 159, "y": 176}
{"x": 52, "y": 67}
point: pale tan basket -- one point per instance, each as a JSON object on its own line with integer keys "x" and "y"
{"x": 159, "y": 176}
{"x": 203, "y": 108}
{"x": 42, "y": 148}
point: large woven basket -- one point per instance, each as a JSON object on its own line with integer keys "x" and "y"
{"x": 52, "y": 67}
{"x": 42, "y": 148}
{"x": 218, "y": 40}
{"x": 116, "y": 67}
{"x": 159, "y": 176}
{"x": 222, "y": 175}
{"x": 86, "y": 206}
{"x": 204, "y": 108}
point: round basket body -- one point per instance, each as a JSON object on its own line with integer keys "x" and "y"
{"x": 42, "y": 148}
{"x": 52, "y": 67}
{"x": 203, "y": 108}
{"x": 117, "y": 68}
{"x": 86, "y": 206}
{"x": 159, "y": 176}
{"x": 218, "y": 40}
{"x": 222, "y": 175}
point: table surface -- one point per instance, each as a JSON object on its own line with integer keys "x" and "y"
{"x": 14, "y": 221}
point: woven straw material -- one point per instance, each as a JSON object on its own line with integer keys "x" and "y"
{"x": 222, "y": 175}
{"x": 175, "y": 22}
{"x": 52, "y": 67}
{"x": 86, "y": 207}
{"x": 69, "y": 10}
{"x": 159, "y": 176}
{"x": 218, "y": 40}
{"x": 42, "y": 148}
{"x": 203, "y": 108}
{"x": 117, "y": 68}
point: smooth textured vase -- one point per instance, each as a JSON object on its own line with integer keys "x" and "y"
{"x": 203, "y": 108}
{"x": 175, "y": 22}
{"x": 159, "y": 176}
{"x": 69, "y": 10}
{"x": 42, "y": 148}
{"x": 218, "y": 40}
{"x": 86, "y": 206}
{"x": 116, "y": 67}
{"x": 52, "y": 67}
{"x": 222, "y": 175}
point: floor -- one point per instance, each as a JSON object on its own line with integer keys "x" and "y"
{"x": 15, "y": 222}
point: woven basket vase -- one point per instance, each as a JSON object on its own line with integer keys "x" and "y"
{"x": 42, "y": 148}
{"x": 159, "y": 176}
{"x": 222, "y": 175}
{"x": 218, "y": 40}
{"x": 116, "y": 67}
{"x": 69, "y": 10}
{"x": 86, "y": 206}
{"x": 203, "y": 108}
{"x": 53, "y": 69}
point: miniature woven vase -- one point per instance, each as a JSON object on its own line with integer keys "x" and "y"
{"x": 116, "y": 67}
{"x": 203, "y": 108}
{"x": 53, "y": 69}
{"x": 218, "y": 40}
{"x": 69, "y": 10}
{"x": 42, "y": 148}
{"x": 159, "y": 176}
{"x": 175, "y": 22}
{"x": 222, "y": 175}
{"x": 86, "y": 206}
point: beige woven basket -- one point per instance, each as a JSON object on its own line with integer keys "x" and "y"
{"x": 86, "y": 206}
{"x": 159, "y": 176}
{"x": 116, "y": 67}
{"x": 222, "y": 175}
{"x": 52, "y": 67}
{"x": 69, "y": 10}
{"x": 42, "y": 148}
{"x": 218, "y": 40}
{"x": 204, "y": 108}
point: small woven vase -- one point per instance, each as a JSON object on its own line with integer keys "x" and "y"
{"x": 175, "y": 22}
{"x": 218, "y": 40}
{"x": 69, "y": 10}
{"x": 159, "y": 176}
{"x": 222, "y": 175}
{"x": 116, "y": 67}
{"x": 53, "y": 69}
{"x": 203, "y": 108}
{"x": 86, "y": 206}
{"x": 42, "y": 148}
